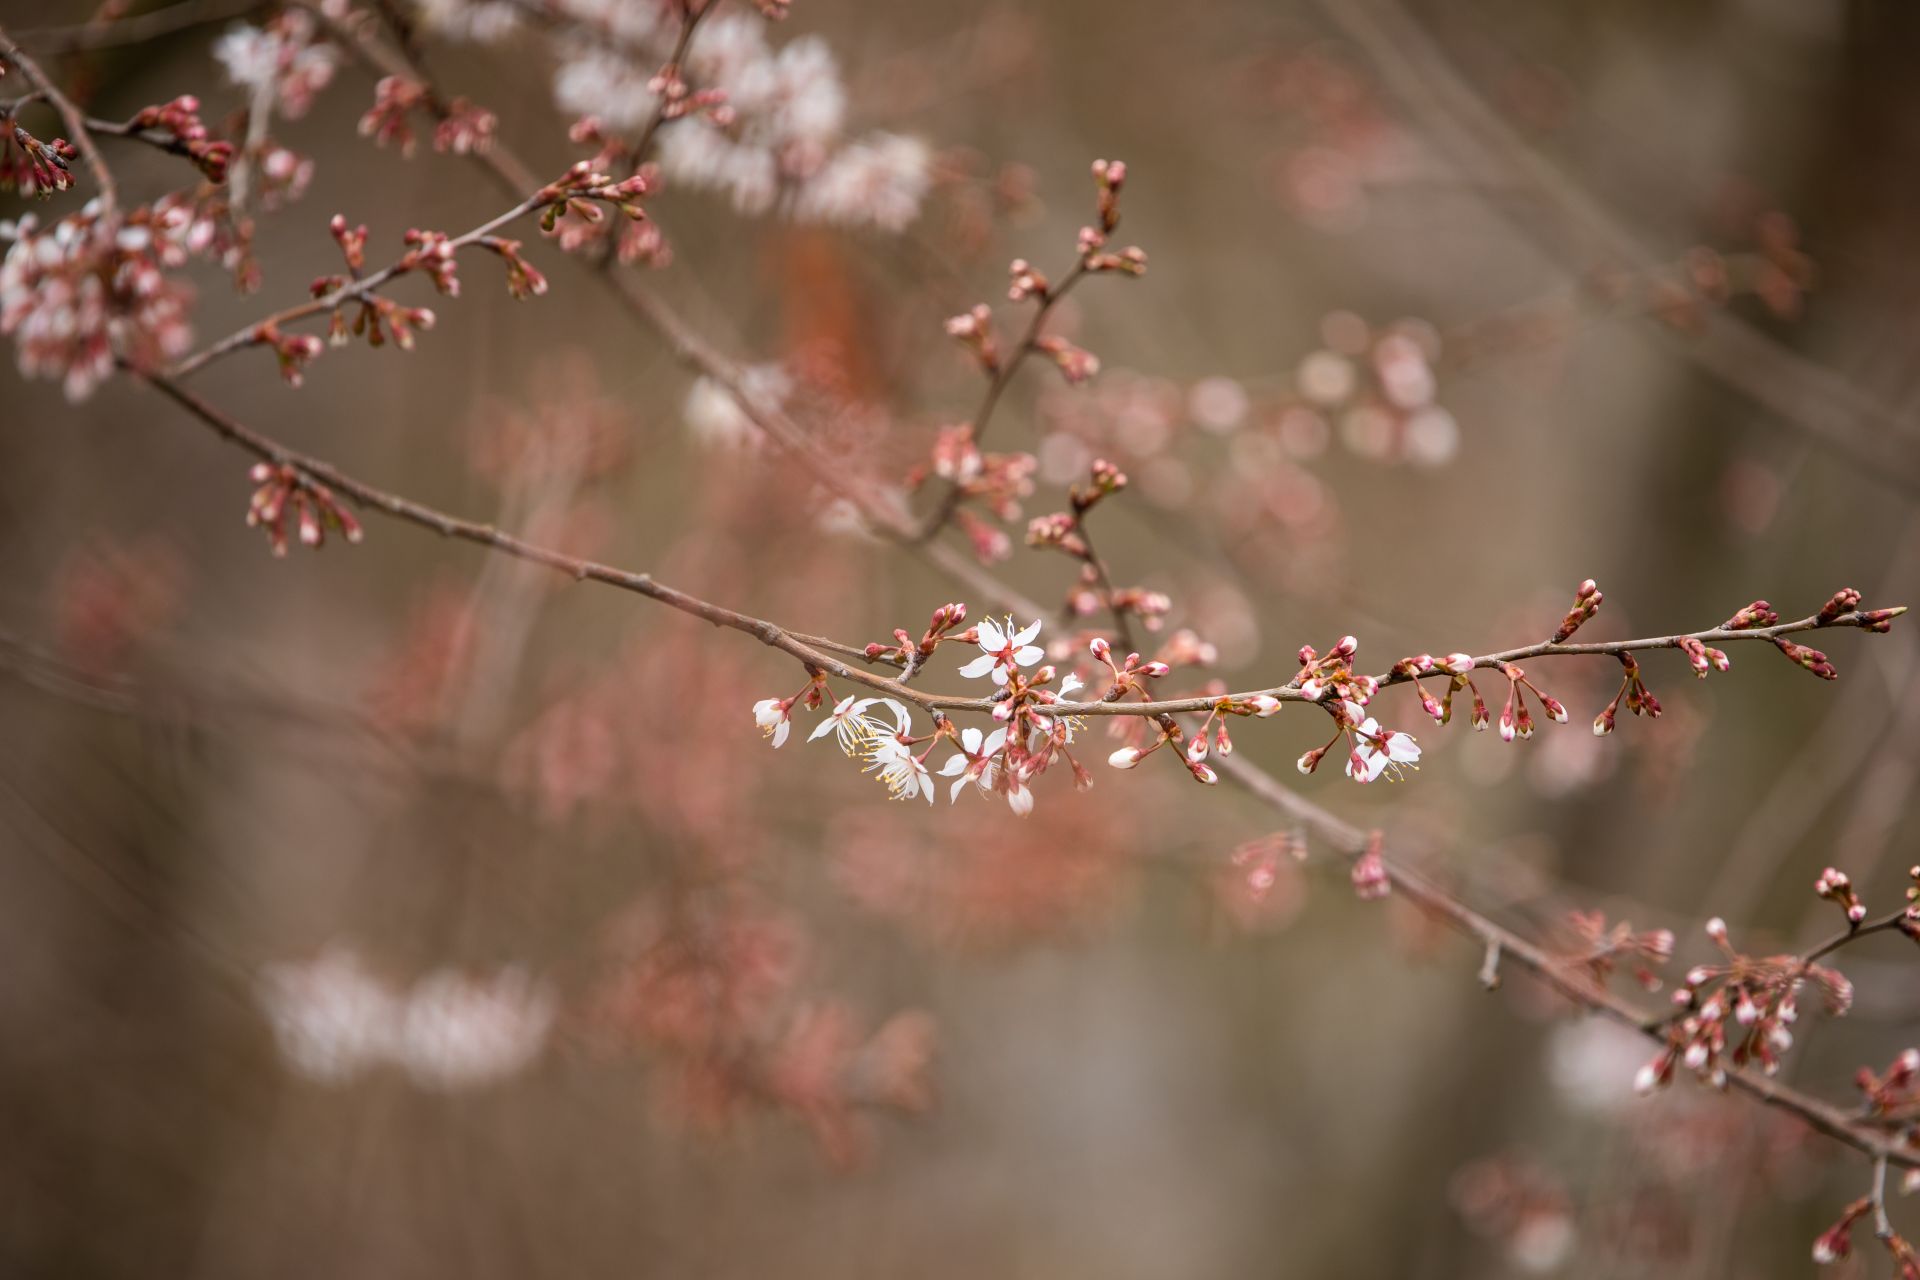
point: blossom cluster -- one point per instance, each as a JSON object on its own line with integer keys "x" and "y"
{"x": 773, "y": 132}
{"x": 1028, "y": 738}
{"x": 1757, "y": 995}
{"x": 334, "y": 1020}
{"x": 94, "y": 287}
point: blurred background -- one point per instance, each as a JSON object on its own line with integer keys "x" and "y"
{"x": 398, "y": 910}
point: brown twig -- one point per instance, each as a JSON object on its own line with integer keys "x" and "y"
{"x": 361, "y": 288}
{"x": 997, "y": 383}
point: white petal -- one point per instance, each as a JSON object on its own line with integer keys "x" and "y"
{"x": 953, "y": 796}
{"x": 780, "y": 734}
{"x": 1020, "y": 800}
{"x": 899, "y": 713}
{"x": 970, "y": 739}
{"x": 1070, "y": 684}
{"x": 992, "y": 638}
{"x": 978, "y": 667}
{"x": 999, "y": 675}
{"x": 954, "y": 764}
{"x": 822, "y": 729}
{"x": 1028, "y": 656}
{"x": 995, "y": 740}
{"x": 1026, "y": 634}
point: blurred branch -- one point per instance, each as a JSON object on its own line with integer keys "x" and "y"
{"x": 165, "y": 21}
{"x": 1800, "y": 391}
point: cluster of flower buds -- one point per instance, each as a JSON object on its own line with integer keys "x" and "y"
{"x": 1370, "y": 879}
{"x": 1061, "y": 531}
{"x": 1836, "y": 1242}
{"x": 376, "y": 319}
{"x": 910, "y": 653}
{"x": 294, "y": 351}
{"x": 999, "y": 481}
{"x": 1834, "y": 885}
{"x": 638, "y": 240}
{"x": 677, "y": 98}
{"x": 1897, "y": 1092}
{"x": 1026, "y": 281}
{"x": 1076, "y": 364}
{"x": 1109, "y": 176}
{"x": 1130, "y": 676}
{"x": 584, "y": 189}
{"x": 432, "y": 253}
{"x": 1458, "y": 666}
{"x": 1703, "y": 656}
{"x": 1256, "y": 862}
{"x": 1757, "y": 614}
{"x": 1640, "y": 699}
{"x": 465, "y": 129}
{"x": 974, "y": 330}
{"x": 1602, "y": 948}
{"x": 352, "y": 242}
{"x": 954, "y": 457}
{"x": 285, "y": 491}
{"x": 1586, "y": 603}
{"x": 95, "y": 285}
{"x": 33, "y": 167}
{"x": 524, "y": 280}
{"x": 1515, "y": 719}
{"x": 1212, "y": 734}
{"x": 1168, "y": 732}
{"x": 395, "y": 98}
{"x": 1846, "y": 600}
{"x": 1757, "y": 994}
{"x": 1803, "y": 656}
{"x": 1131, "y": 260}
{"x": 180, "y": 129}
{"x": 1333, "y": 674}
{"x": 1103, "y": 481}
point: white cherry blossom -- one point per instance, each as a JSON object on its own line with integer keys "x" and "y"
{"x": 853, "y": 726}
{"x": 771, "y": 714}
{"x": 977, "y": 761}
{"x": 1002, "y": 649}
{"x": 904, "y": 773}
{"x": 1378, "y": 750}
